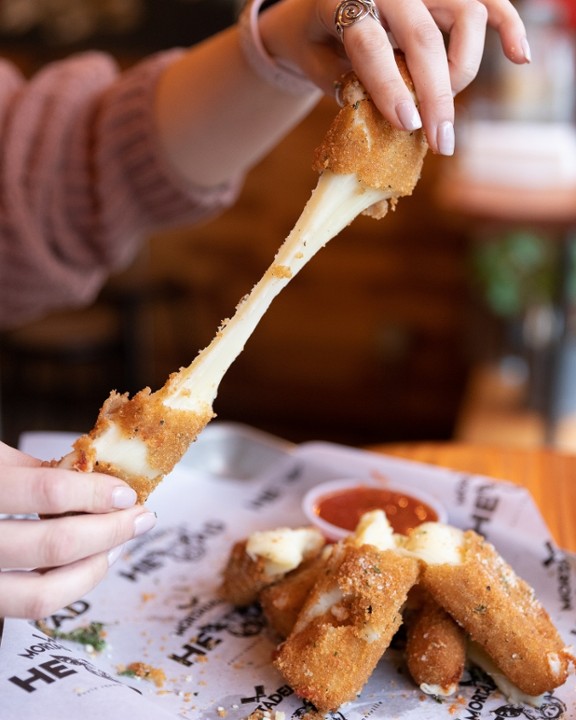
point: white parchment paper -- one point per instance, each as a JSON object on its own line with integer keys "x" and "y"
{"x": 160, "y": 603}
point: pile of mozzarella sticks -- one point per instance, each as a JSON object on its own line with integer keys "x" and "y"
{"x": 337, "y": 607}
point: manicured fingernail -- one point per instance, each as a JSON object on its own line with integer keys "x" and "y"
{"x": 114, "y": 554}
{"x": 526, "y": 51}
{"x": 144, "y": 522}
{"x": 445, "y": 138}
{"x": 409, "y": 116}
{"x": 123, "y": 497}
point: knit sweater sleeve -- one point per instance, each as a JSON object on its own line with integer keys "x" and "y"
{"x": 83, "y": 180}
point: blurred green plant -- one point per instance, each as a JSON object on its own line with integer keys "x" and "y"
{"x": 515, "y": 270}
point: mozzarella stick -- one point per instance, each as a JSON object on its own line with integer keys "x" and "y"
{"x": 362, "y": 143}
{"x": 346, "y": 624}
{"x": 265, "y": 558}
{"x": 435, "y": 649}
{"x": 497, "y": 609}
{"x": 365, "y": 164}
{"x": 282, "y": 601}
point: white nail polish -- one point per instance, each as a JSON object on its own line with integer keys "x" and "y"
{"x": 409, "y": 116}
{"x": 123, "y": 497}
{"x": 445, "y": 138}
{"x": 144, "y": 522}
{"x": 338, "y": 93}
{"x": 526, "y": 51}
{"x": 114, "y": 554}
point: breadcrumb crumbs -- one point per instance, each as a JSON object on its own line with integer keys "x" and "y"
{"x": 145, "y": 672}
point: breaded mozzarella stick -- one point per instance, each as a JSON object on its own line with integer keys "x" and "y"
{"x": 349, "y": 617}
{"x": 435, "y": 649}
{"x": 282, "y": 601}
{"x": 346, "y": 624}
{"x": 265, "y": 558}
{"x": 365, "y": 164}
{"x": 497, "y": 609}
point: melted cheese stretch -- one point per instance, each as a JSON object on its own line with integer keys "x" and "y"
{"x": 130, "y": 454}
{"x": 335, "y": 202}
{"x": 438, "y": 690}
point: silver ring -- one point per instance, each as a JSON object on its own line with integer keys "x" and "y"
{"x": 349, "y": 12}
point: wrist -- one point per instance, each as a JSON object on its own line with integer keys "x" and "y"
{"x": 275, "y": 71}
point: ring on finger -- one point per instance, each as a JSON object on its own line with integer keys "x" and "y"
{"x": 349, "y": 12}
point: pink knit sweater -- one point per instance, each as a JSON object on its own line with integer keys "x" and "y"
{"x": 82, "y": 180}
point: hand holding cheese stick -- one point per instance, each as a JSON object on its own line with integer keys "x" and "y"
{"x": 440, "y": 70}
{"x": 48, "y": 563}
{"x": 365, "y": 165}
{"x": 181, "y": 131}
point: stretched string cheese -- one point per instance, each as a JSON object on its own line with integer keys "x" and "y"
{"x": 365, "y": 165}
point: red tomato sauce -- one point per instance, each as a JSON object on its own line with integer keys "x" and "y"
{"x": 345, "y": 508}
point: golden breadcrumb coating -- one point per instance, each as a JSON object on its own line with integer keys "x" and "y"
{"x": 346, "y": 624}
{"x": 361, "y": 141}
{"x": 166, "y": 432}
{"x": 500, "y": 612}
{"x": 435, "y": 647}
{"x": 245, "y": 576}
{"x": 282, "y": 601}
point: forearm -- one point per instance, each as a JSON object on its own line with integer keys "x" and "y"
{"x": 198, "y": 95}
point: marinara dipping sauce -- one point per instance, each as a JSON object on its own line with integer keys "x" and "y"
{"x": 345, "y": 508}
{"x": 337, "y": 506}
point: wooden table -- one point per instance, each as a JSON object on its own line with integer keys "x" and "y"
{"x": 549, "y": 475}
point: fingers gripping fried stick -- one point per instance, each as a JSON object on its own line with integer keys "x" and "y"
{"x": 364, "y": 163}
{"x": 361, "y": 143}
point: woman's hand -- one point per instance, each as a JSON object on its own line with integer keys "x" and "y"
{"x": 48, "y": 563}
{"x": 304, "y": 32}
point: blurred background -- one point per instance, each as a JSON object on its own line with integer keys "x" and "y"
{"x": 452, "y": 318}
